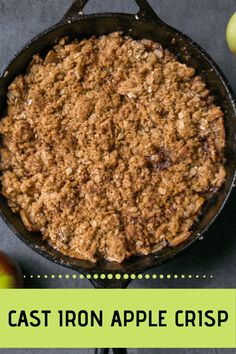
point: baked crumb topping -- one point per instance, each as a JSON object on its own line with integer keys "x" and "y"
{"x": 110, "y": 147}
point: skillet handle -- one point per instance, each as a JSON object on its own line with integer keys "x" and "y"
{"x": 145, "y": 12}
{"x": 75, "y": 10}
{"x": 110, "y": 284}
{"x": 107, "y": 351}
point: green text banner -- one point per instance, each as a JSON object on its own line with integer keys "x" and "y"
{"x": 131, "y": 318}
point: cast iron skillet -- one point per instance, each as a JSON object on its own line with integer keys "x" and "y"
{"x": 145, "y": 24}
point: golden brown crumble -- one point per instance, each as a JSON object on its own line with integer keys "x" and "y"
{"x": 110, "y": 147}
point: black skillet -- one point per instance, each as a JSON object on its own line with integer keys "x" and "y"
{"x": 145, "y": 24}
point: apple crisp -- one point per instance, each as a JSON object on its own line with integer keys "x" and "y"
{"x": 110, "y": 147}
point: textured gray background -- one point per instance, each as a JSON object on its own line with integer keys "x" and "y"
{"x": 204, "y": 21}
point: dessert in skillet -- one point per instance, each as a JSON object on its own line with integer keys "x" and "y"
{"x": 110, "y": 147}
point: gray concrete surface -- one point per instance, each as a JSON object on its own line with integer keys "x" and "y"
{"x": 215, "y": 255}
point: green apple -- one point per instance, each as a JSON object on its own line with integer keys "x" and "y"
{"x": 231, "y": 34}
{"x": 10, "y": 273}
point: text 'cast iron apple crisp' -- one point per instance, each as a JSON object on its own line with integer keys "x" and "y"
{"x": 110, "y": 147}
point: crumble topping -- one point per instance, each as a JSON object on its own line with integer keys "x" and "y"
{"x": 110, "y": 147}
